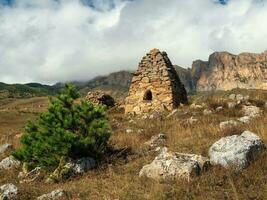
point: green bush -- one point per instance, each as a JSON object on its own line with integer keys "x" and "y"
{"x": 67, "y": 130}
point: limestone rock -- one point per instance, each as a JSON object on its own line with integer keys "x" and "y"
{"x": 5, "y": 147}
{"x": 218, "y": 109}
{"x": 192, "y": 120}
{"x": 245, "y": 119}
{"x": 196, "y": 106}
{"x": 228, "y": 124}
{"x": 100, "y": 98}
{"x": 155, "y": 86}
{"x": 225, "y": 71}
{"x": 9, "y": 163}
{"x": 56, "y": 194}
{"x": 171, "y": 166}
{"x": 252, "y": 111}
{"x": 71, "y": 169}
{"x": 156, "y": 140}
{"x": 129, "y": 130}
{"x": 236, "y": 151}
{"x": 8, "y": 192}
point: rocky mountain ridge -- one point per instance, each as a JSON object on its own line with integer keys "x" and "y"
{"x": 222, "y": 71}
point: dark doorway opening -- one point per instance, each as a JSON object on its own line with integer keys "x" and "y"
{"x": 148, "y": 96}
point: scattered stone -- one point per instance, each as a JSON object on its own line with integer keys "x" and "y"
{"x": 8, "y": 192}
{"x": 100, "y": 98}
{"x": 71, "y": 169}
{"x": 129, "y": 131}
{"x": 174, "y": 112}
{"x": 192, "y": 120}
{"x": 5, "y": 147}
{"x": 228, "y": 124}
{"x": 9, "y": 163}
{"x": 236, "y": 151}
{"x": 252, "y": 111}
{"x": 245, "y": 119}
{"x": 156, "y": 140}
{"x": 56, "y": 194}
{"x": 30, "y": 176}
{"x": 132, "y": 121}
{"x": 169, "y": 165}
{"x": 140, "y": 130}
{"x": 207, "y": 112}
{"x": 195, "y": 106}
{"x": 218, "y": 109}
{"x": 231, "y": 105}
{"x": 83, "y": 165}
{"x": 239, "y": 98}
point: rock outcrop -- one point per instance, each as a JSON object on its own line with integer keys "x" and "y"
{"x": 172, "y": 166}
{"x": 56, "y": 194}
{"x": 100, "y": 98}
{"x": 225, "y": 71}
{"x": 9, "y": 163}
{"x": 8, "y": 192}
{"x": 155, "y": 85}
{"x": 236, "y": 151}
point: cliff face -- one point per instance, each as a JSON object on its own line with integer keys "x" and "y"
{"x": 225, "y": 71}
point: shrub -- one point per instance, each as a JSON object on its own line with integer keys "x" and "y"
{"x": 67, "y": 130}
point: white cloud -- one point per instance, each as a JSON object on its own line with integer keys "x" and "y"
{"x": 47, "y": 41}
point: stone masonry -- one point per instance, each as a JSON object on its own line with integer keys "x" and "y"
{"x": 155, "y": 85}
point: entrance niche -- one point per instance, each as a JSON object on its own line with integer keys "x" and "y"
{"x": 148, "y": 95}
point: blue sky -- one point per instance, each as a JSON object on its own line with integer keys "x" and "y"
{"x": 44, "y": 41}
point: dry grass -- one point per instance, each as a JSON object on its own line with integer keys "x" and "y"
{"x": 117, "y": 178}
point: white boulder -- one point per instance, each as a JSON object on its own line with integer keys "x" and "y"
{"x": 9, "y": 163}
{"x": 236, "y": 151}
{"x": 8, "y": 192}
{"x": 56, "y": 194}
{"x": 171, "y": 166}
{"x": 252, "y": 111}
{"x": 245, "y": 119}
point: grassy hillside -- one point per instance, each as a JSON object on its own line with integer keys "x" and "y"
{"x": 116, "y": 84}
{"x": 25, "y": 90}
{"x": 117, "y": 177}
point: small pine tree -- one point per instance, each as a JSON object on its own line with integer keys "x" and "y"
{"x": 67, "y": 130}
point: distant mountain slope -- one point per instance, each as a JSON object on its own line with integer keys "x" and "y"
{"x": 25, "y": 90}
{"x": 222, "y": 71}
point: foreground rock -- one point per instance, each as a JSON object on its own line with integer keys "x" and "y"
{"x": 71, "y": 169}
{"x": 245, "y": 119}
{"x": 100, "y": 98}
{"x": 252, "y": 111}
{"x": 156, "y": 140}
{"x": 9, "y": 163}
{"x": 56, "y": 194}
{"x": 5, "y": 147}
{"x": 236, "y": 151}
{"x": 171, "y": 166}
{"x": 8, "y": 192}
